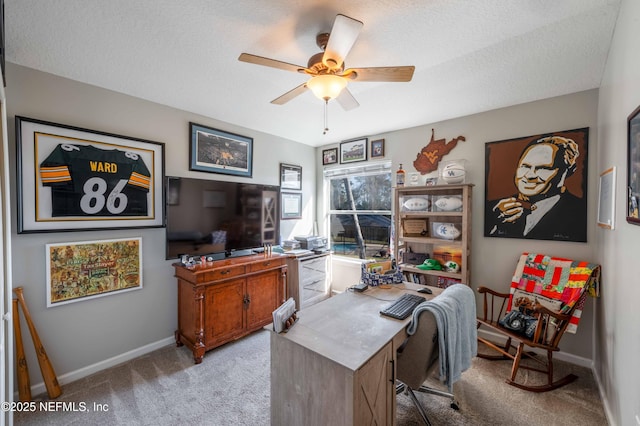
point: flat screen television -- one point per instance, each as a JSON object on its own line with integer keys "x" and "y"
{"x": 218, "y": 218}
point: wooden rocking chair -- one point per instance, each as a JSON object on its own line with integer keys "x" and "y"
{"x": 536, "y": 279}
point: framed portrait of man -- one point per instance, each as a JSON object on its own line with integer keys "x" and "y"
{"x": 536, "y": 187}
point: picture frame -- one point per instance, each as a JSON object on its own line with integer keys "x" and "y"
{"x": 291, "y": 205}
{"x": 415, "y": 228}
{"x": 633, "y": 167}
{"x": 377, "y": 148}
{"x": 290, "y": 176}
{"x": 606, "y": 199}
{"x": 329, "y": 156}
{"x": 216, "y": 151}
{"x": 74, "y": 179}
{"x": 77, "y": 271}
{"x": 510, "y": 197}
{"x": 353, "y": 151}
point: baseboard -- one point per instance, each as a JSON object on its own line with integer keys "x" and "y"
{"x": 72, "y": 376}
{"x": 562, "y": 356}
{"x": 605, "y": 399}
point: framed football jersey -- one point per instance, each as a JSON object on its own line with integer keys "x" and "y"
{"x": 77, "y": 179}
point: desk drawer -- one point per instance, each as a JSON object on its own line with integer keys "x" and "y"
{"x": 266, "y": 264}
{"x": 314, "y": 265}
{"x": 308, "y": 278}
{"x": 223, "y": 273}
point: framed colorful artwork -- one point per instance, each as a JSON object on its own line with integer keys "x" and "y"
{"x": 86, "y": 270}
{"x": 72, "y": 179}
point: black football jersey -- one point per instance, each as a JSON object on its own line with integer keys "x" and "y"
{"x": 89, "y": 181}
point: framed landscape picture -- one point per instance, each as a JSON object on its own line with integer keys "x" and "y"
{"x": 353, "y": 151}
{"x": 216, "y": 151}
{"x": 72, "y": 179}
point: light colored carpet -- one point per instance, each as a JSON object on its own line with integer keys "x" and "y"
{"x": 231, "y": 387}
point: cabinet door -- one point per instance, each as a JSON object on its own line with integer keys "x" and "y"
{"x": 224, "y": 311}
{"x": 375, "y": 390}
{"x": 262, "y": 291}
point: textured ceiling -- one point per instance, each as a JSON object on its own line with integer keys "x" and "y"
{"x": 470, "y": 56}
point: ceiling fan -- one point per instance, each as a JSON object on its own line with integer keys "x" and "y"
{"x": 329, "y": 77}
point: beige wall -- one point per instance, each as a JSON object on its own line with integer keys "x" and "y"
{"x": 87, "y": 335}
{"x": 493, "y": 259}
{"x": 617, "y": 339}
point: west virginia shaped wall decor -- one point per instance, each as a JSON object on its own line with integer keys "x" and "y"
{"x": 428, "y": 158}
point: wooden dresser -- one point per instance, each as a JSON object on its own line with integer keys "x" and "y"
{"x": 224, "y": 300}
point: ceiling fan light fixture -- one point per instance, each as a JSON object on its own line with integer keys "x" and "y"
{"x": 327, "y": 86}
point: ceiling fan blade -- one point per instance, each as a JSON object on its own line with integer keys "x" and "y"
{"x": 290, "y": 95}
{"x": 343, "y": 34}
{"x": 346, "y": 100}
{"x": 397, "y": 74}
{"x": 267, "y": 62}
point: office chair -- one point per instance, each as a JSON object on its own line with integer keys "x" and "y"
{"x": 417, "y": 357}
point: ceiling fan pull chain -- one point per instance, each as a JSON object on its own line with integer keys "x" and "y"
{"x": 326, "y": 116}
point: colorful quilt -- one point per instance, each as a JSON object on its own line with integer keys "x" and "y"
{"x": 565, "y": 280}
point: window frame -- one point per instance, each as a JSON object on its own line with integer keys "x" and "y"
{"x": 369, "y": 169}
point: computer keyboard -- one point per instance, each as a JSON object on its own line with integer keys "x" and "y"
{"x": 403, "y": 306}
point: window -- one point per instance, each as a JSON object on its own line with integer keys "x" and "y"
{"x": 359, "y": 210}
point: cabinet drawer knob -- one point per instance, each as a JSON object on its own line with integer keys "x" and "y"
{"x": 225, "y": 272}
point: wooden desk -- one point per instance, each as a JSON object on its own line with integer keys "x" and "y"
{"x": 336, "y": 365}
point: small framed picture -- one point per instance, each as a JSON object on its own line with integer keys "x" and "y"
{"x": 329, "y": 156}
{"x": 377, "y": 148}
{"x": 290, "y": 176}
{"x": 291, "y": 203}
{"x": 606, "y": 198}
{"x": 353, "y": 151}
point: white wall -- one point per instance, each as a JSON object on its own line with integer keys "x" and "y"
{"x": 80, "y": 335}
{"x": 493, "y": 259}
{"x": 618, "y": 317}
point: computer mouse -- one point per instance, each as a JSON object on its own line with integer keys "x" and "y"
{"x": 426, "y": 290}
